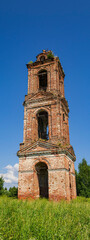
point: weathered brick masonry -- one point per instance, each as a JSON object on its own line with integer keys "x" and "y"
{"x": 46, "y": 158}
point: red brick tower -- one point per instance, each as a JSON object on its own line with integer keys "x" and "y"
{"x": 46, "y": 158}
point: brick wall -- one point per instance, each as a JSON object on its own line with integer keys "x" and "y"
{"x": 60, "y": 166}
{"x": 59, "y": 177}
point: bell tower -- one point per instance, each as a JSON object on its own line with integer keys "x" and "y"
{"x": 46, "y": 158}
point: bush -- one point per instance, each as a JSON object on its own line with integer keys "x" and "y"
{"x": 13, "y": 192}
{"x": 50, "y": 55}
{"x": 30, "y": 62}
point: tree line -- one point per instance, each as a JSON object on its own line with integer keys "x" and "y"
{"x": 82, "y": 182}
{"x": 83, "y": 179}
{"x": 12, "y": 192}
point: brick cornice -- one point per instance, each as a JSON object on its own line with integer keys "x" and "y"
{"x": 46, "y": 96}
{"x": 49, "y": 148}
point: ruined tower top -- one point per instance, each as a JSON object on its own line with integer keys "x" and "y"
{"x": 45, "y": 57}
{"x": 48, "y": 67}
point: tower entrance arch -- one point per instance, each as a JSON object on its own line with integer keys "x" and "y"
{"x": 42, "y": 176}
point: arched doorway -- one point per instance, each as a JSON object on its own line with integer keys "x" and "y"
{"x": 43, "y": 129}
{"x": 42, "y": 174}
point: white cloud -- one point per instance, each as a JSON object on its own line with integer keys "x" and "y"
{"x": 11, "y": 176}
{"x": 9, "y": 167}
{"x": 16, "y": 166}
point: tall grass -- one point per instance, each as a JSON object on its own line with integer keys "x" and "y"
{"x": 42, "y": 219}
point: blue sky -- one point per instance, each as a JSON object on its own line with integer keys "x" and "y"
{"x": 27, "y": 27}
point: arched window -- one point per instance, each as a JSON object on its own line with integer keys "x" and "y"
{"x": 43, "y": 129}
{"x": 42, "y": 80}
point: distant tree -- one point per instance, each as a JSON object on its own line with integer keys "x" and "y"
{"x": 1, "y": 185}
{"x": 13, "y": 192}
{"x": 83, "y": 179}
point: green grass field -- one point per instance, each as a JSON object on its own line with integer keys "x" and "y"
{"x": 42, "y": 219}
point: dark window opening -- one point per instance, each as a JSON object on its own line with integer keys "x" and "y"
{"x": 42, "y": 59}
{"x": 59, "y": 76}
{"x": 43, "y": 130}
{"x": 42, "y": 173}
{"x": 63, "y": 117}
{"x": 43, "y": 80}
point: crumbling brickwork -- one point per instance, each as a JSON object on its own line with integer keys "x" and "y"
{"x": 46, "y": 158}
